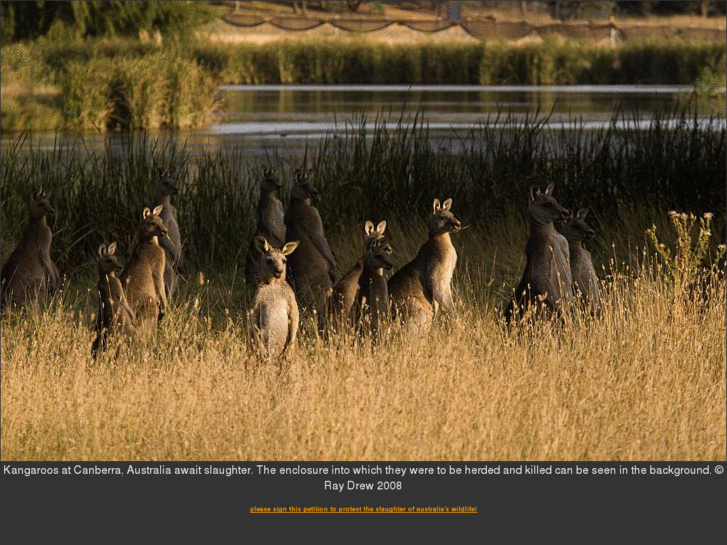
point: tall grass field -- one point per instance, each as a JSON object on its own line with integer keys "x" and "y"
{"x": 644, "y": 380}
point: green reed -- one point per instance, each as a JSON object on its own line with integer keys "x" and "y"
{"x": 391, "y": 171}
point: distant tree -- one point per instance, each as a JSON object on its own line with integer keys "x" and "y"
{"x": 28, "y": 20}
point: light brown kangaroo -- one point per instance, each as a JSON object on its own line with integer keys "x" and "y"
{"x": 115, "y": 316}
{"x": 172, "y": 243}
{"x": 421, "y": 287}
{"x": 274, "y": 318}
{"x": 584, "y": 276}
{"x": 270, "y": 224}
{"x": 30, "y": 276}
{"x": 361, "y": 295}
{"x": 547, "y": 278}
{"x": 143, "y": 276}
{"x": 312, "y": 267}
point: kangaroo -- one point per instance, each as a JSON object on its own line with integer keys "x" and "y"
{"x": 584, "y": 276}
{"x": 547, "y": 275}
{"x": 143, "y": 276}
{"x": 311, "y": 268}
{"x": 30, "y": 276}
{"x": 363, "y": 288}
{"x": 422, "y": 286}
{"x": 114, "y": 313}
{"x": 270, "y": 224}
{"x": 274, "y": 318}
{"x": 172, "y": 244}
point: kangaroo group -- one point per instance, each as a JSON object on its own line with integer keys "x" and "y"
{"x": 295, "y": 272}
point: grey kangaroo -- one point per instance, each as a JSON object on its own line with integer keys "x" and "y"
{"x": 361, "y": 294}
{"x": 547, "y": 277}
{"x": 312, "y": 267}
{"x": 29, "y": 276}
{"x": 421, "y": 287}
{"x": 270, "y": 224}
{"x": 115, "y": 316}
{"x": 143, "y": 276}
{"x": 172, "y": 243}
{"x": 274, "y": 318}
{"x": 585, "y": 281}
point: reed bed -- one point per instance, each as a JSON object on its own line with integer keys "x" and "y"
{"x": 393, "y": 172}
{"x": 128, "y": 84}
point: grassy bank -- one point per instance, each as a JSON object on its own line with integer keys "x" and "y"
{"x": 645, "y": 381}
{"x": 119, "y": 83}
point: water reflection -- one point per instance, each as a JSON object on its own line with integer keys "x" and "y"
{"x": 290, "y": 118}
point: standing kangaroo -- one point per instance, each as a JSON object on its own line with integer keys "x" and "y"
{"x": 30, "y": 276}
{"x": 547, "y": 275}
{"x": 270, "y": 224}
{"x": 143, "y": 276}
{"x": 422, "y": 286}
{"x": 363, "y": 290}
{"x": 274, "y": 318}
{"x": 172, "y": 244}
{"x": 584, "y": 276}
{"x": 311, "y": 268}
{"x": 114, "y": 313}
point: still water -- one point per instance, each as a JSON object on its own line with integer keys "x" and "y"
{"x": 256, "y": 119}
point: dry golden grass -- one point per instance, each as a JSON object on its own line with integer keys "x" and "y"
{"x": 645, "y": 381}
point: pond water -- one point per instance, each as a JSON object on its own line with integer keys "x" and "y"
{"x": 259, "y": 118}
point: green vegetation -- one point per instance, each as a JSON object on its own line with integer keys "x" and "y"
{"x": 393, "y": 174}
{"x": 130, "y": 84}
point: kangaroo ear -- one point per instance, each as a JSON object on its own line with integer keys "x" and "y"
{"x": 112, "y": 248}
{"x": 145, "y": 213}
{"x": 368, "y": 227}
{"x": 534, "y": 192}
{"x": 582, "y": 213}
{"x": 289, "y": 247}
{"x": 261, "y": 244}
{"x": 447, "y": 204}
{"x": 437, "y": 206}
{"x": 549, "y": 189}
{"x": 381, "y": 227}
{"x": 101, "y": 250}
{"x": 308, "y": 173}
{"x": 158, "y": 210}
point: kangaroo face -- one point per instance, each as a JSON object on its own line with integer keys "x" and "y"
{"x": 269, "y": 182}
{"x": 442, "y": 220}
{"x": 273, "y": 259}
{"x": 107, "y": 261}
{"x": 151, "y": 224}
{"x": 303, "y": 188}
{"x": 165, "y": 185}
{"x": 40, "y": 203}
{"x": 576, "y": 229}
{"x": 376, "y": 248}
{"x": 543, "y": 207}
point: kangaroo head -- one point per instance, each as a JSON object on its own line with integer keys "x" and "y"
{"x": 151, "y": 224}
{"x": 107, "y": 261}
{"x": 543, "y": 207}
{"x": 269, "y": 181}
{"x": 303, "y": 188}
{"x": 273, "y": 259}
{"x": 40, "y": 203}
{"x": 376, "y": 248}
{"x": 576, "y": 229}
{"x": 442, "y": 220}
{"x": 165, "y": 184}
